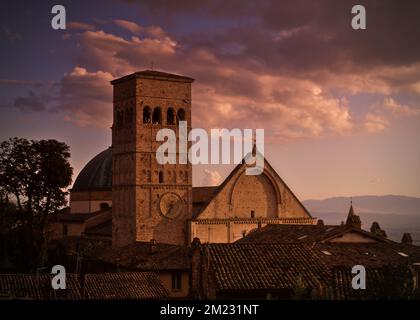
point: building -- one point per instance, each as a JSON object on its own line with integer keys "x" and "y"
{"x": 251, "y": 236}
{"x": 125, "y": 187}
{"x": 306, "y": 262}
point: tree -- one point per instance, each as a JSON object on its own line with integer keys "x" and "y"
{"x": 34, "y": 175}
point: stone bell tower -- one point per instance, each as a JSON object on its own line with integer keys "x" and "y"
{"x": 149, "y": 200}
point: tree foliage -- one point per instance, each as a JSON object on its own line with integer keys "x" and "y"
{"x": 33, "y": 178}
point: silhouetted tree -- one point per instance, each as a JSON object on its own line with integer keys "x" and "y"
{"x": 33, "y": 178}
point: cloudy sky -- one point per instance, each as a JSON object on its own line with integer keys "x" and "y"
{"x": 340, "y": 108}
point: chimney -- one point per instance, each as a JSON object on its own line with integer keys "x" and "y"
{"x": 320, "y": 223}
{"x": 407, "y": 239}
{"x": 152, "y": 246}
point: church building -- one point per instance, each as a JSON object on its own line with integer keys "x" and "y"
{"x": 247, "y": 237}
{"x": 125, "y": 189}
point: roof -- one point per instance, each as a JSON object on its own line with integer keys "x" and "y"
{"x": 37, "y": 286}
{"x": 97, "y": 174}
{"x": 373, "y": 255}
{"x": 76, "y": 217}
{"x": 265, "y": 266}
{"x": 277, "y": 233}
{"x": 127, "y": 285}
{"x": 153, "y": 74}
{"x": 140, "y": 256}
{"x": 203, "y": 194}
{"x": 103, "y": 230}
{"x": 199, "y": 207}
{"x": 342, "y": 289}
{"x": 201, "y": 197}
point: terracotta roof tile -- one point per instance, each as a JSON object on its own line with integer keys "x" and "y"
{"x": 281, "y": 233}
{"x": 37, "y": 286}
{"x": 139, "y": 256}
{"x": 265, "y": 266}
{"x": 127, "y": 285}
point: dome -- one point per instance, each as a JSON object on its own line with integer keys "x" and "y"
{"x": 97, "y": 174}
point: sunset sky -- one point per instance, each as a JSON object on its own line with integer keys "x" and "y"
{"x": 340, "y": 108}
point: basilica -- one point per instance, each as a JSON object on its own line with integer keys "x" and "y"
{"x": 136, "y": 224}
{"x": 126, "y": 189}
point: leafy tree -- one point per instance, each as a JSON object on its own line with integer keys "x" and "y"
{"x": 33, "y": 177}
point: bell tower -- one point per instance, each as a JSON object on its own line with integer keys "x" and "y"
{"x": 149, "y": 200}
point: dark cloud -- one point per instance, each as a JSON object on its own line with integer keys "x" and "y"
{"x": 326, "y": 39}
{"x": 32, "y": 102}
{"x": 13, "y": 82}
{"x": 287, "y": 66}
{"x": 9, "y": 34}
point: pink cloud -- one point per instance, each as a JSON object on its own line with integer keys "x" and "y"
{"x": 75, "y": 25}
{"x": 375, "y": 122}
{"x": 399, "y": 109}
{"x": 86, "y": 98}
{"x": 211, "y": 178}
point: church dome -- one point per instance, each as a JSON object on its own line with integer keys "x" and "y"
{"x": 97, "y": 174}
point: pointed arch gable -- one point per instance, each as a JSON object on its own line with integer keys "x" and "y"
{"x": 266, "y": 174}
{"x": 271, "y": 175}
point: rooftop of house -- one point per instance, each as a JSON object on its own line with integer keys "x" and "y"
{"x": 373, "y": 255}
{"x": 304, "y": 233}
{"x": 328, "y": 267}
{"x": 125, "y": 285}
{"x": 101, "y": 230}
{"x": 264, "y": 266}
{"x": 64, "y": 215}
{"x": 37, "y": 287}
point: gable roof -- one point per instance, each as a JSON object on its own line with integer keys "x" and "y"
{"x": 139, "y": 256}
{"x": 37, "y": 287}
{"x": 123, "y": 286}
{"x": 214, "y": 190}
{"x": 102, "y": 230}
{"x": 65, "y": 215}
{"x": 265, "y": 266}
{"x": 278, "y": 233}
{"x": 377, "y": 283}
{"x": 373, "y": 255}
{"x": 281, "y": 233}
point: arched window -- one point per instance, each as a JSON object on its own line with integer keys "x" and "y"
{"x": 160, "y": 176}
{"x": 147, "y": 113}
{"x": 157, "y": 116}
{"x": 170, "y": 116}
{"x": 181, "y": 115}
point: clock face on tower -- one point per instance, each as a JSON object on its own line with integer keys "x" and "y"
{"x": 171, "y": 205}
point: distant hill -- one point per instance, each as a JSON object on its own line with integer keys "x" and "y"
{"x": 371, "y": 204}
{"x": 395, "y": 214}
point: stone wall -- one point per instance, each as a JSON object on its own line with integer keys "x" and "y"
{"x": 137, "y": 188}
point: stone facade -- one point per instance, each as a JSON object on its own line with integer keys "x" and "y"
{"x": 143, "y": 104}
{"x": 244, "y": 203}
{"x": 89, "y": 201}
{"x": 144, "y": 193}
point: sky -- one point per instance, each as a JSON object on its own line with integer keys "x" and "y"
{"x": 340, "y": 107}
